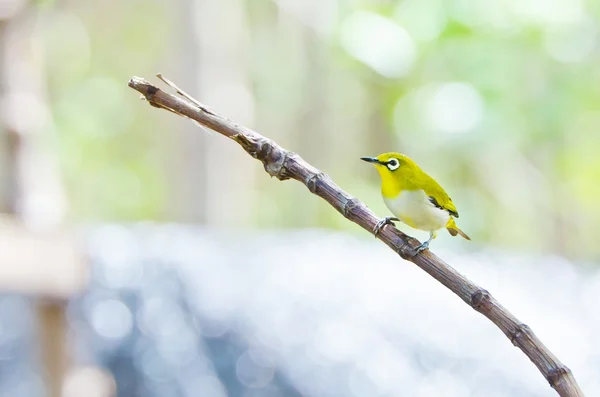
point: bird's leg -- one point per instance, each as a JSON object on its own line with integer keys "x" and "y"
{"x": 385, "y": 221}
{"x": 425, "y": 244}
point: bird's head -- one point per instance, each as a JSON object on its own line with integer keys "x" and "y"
{"x": 395, "y": 170}
{"x": 391, "y": 165}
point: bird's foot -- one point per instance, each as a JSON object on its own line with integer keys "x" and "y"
{"x": 385, "y": 221}
{"x": 422, "y": 247}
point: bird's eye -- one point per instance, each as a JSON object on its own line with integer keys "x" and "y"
{"x": 393, "y": 164}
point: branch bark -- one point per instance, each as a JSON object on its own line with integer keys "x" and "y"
{"x": 283, "y": 164}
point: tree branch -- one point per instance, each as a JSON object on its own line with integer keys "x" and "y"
{"x": 283, "y": 164}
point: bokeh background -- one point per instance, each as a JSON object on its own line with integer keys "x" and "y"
{"x": 186, "y": 271}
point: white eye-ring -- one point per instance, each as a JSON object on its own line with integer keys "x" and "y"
{"x": 393, "y": 164}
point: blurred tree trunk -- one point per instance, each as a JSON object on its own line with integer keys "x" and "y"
{"x": 214, "y": 52}
{"x": 9, "y": 142}
{"x": 31, "y": 185}
{"x": 187, "y": 146}
{"x": 53, "y": 330}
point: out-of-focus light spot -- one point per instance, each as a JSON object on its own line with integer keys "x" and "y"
{"x": 387, "y": 367}
{"x": 111, "y": 319}
{"x": 161, "y": 317}
{"x": 423, "y": 19}
{"x": 122, "y": 265}
{"x": 454, "y": 107}
{"x": 10, "y": 8}
{"x": 205, "y": 385}
{"x": 252, "y": 374}
{"x": 318, "y": 14}
{"x": 218, "y": 292}
{"x": 333, "y": 340}
{"x": 153, "y": 366}
{"x": 123, "y": 245}
{"x": 212, "y": 328}
{"x": 89, "y": 382}
{"x": 378, "y": 42}
{"x": 573, "y": 42}
{"x": 547, "y": 12}
{"x": 281, "y": 322}
{"x": 122, "y": 275}
{"x": 262, "y": 356}
{"x": 180, "y": 350}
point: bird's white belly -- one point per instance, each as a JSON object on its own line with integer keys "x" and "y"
{"x": 414, "y": 208}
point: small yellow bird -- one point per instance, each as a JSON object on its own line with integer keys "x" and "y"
{"x": 414, "y": 197}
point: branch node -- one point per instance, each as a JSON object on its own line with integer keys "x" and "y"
{"x": 556, "y": 375}
{"x": 245, "y": 143}
{"x": 481, "y": 300}
{"x": 257, "y": 149}
{"x": 278, "y": 168}
{"x": 405, "y": 250}
{"x": 520, "y": 331}
{"x": 349, "y": 206}
{"x": 150, "y": 91}
{"x": 311, "y": 181}
{"x": 263, "y": 151}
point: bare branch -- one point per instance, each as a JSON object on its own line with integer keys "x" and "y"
{"x": 283, "y": 164}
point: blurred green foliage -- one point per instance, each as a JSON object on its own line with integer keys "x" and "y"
{"x": 497, "y": 100}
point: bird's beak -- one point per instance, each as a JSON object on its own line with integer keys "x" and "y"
{"x": 371, "y": 160}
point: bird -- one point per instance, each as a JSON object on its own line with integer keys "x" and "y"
{"x": 414, "y": 197}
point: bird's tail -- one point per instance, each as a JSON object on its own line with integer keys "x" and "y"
{"x": 454, "y": 230}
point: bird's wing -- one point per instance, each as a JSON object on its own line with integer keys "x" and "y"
{"x": 439, "y": 198}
